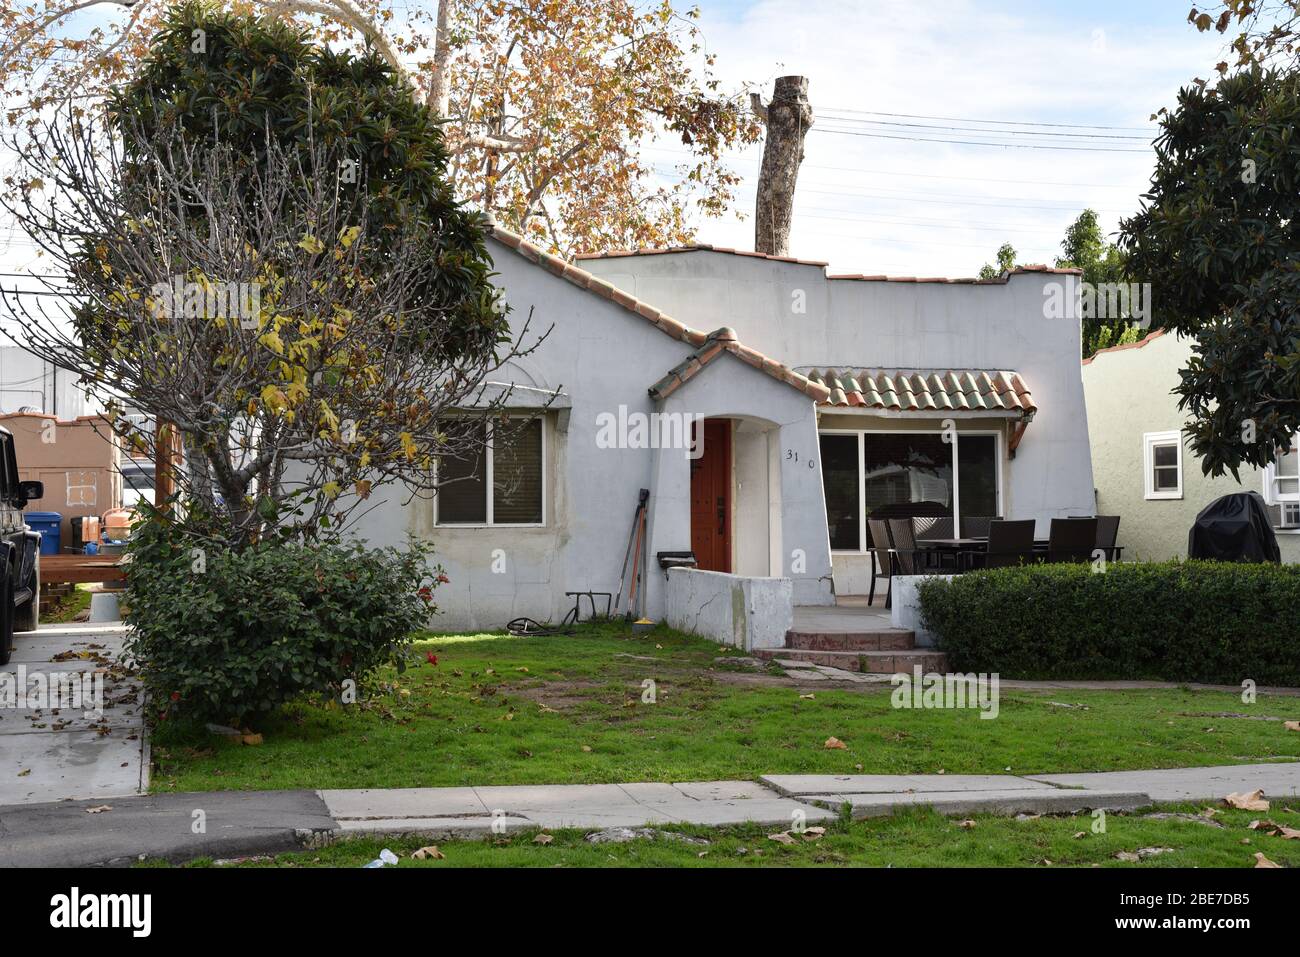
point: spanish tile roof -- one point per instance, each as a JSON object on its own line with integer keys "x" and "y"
{"x": 724, "y": 340}
{"x": 708, "y": 346}
{"x": 955, "y": 390}
{"x": 1127, "y": 345}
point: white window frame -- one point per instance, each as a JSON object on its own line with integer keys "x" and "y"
{"x": 1290, "y": 501}
{"x": 1149, "y": 442}
{"x": 488, "y": 456}
{"x": 999, "y": 438}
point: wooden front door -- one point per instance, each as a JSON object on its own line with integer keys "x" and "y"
{"x": 711, "y": 497}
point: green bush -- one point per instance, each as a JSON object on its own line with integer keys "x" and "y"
{"x": 227, "y": 636}
{"x": 1214, "y": 622}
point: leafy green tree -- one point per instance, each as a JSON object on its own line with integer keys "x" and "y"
{"x": 1006, "y": 263}
{"x": 1084, "y": 247}
{"x": 1218, "y": 236}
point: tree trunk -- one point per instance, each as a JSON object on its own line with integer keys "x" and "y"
{"x": 788, "y": 118}
{"x": 439, "y": 88}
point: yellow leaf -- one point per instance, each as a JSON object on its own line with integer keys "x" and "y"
{"x": 311, "y": 244}
{"x": 348, "y": 236}
{"x": 834, "y": 744}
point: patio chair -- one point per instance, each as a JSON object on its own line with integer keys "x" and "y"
{"x": 905, "y": 553}
{"x": 880, "y": 545}
{"x": 1010, "y": 544}
{"x": 932, "y": 526}
{"x": 1107, "y": 533}
{"x": 1072, "y": 540}
{"x": 977, "y": 526}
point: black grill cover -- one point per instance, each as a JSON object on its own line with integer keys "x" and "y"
{"x": 1234, "y": 528}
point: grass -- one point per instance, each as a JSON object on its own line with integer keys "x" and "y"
{"x": 569, "y": 709}
{"x": 913, "y": 838}
{"x": 62, "y": 610}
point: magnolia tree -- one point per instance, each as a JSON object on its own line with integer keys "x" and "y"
{"x": 550, "y": 106}
{"x": 303, "y": 308}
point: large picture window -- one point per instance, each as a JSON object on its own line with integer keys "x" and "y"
{"x": 899, "y": 474}
{"x": 508, "y": 459}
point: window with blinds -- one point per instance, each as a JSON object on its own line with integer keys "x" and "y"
{"x": 506, "y": 458}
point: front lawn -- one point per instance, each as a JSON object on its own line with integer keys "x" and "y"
{"x": 568, "y": 709}
{"x": 916, "y": 837}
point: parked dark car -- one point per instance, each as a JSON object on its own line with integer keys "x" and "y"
{"x": 19, "y": 545}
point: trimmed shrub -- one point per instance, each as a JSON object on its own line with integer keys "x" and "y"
{"x": 227, "y": 636}
{"x": 1213, "y": 622}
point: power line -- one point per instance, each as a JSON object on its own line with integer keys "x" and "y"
{"x": 1019, "y": 146}
{"x": 967, "y": 119}
{"x": 976, "y": 129}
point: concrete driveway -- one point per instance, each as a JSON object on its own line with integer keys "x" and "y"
{"x": 50, "y": 753}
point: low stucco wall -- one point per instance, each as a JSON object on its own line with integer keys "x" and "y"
{"x": 905, "y": 607}
{"x": 735, "y": 610}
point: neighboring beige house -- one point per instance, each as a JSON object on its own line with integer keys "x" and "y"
{"x": 1141, "y": 465}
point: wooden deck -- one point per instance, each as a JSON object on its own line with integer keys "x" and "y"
{"x": 71, "y": 569}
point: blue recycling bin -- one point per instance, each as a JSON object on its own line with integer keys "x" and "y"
{"x": 48, "y": 524}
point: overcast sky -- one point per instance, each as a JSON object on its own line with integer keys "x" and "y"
{"x": 871, "y": 199}
{"x": 867, "y": 203}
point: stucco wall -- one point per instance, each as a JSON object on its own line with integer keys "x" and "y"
{"x": 603, "y": 356}
{"x": 896, "y": 325}
{"x": 1129, "y": 394}
{"x": 742, "y": 612}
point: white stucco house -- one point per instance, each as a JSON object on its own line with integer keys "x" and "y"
{"x": 1145, "y": 471}
{"x": 820, "y": 399}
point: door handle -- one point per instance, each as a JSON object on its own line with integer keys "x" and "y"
{"x": 722, "y": 515}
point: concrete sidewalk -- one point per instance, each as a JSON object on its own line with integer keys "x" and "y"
{"x": 179, "y": 827}
{"x": 52, "y": 754}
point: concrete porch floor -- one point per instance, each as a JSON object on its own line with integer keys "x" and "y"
{"x": 850, "y": 613}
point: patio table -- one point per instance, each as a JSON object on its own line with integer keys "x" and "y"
{"x": 978, "y": 544}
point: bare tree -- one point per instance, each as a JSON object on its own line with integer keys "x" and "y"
{"x": 256, "y": 305}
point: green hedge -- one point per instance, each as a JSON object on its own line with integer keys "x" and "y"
{"x": 1214, "y": 622}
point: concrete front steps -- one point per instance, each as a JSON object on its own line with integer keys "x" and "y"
{"x": 883, "y": 652}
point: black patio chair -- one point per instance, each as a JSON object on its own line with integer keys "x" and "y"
{"x": 977, "y": 526}
{"x": 1010, "y": 544}
{"x": 878, "y": 529}
{"x": 907, "y": 557}
{"x": 932, "y": 526}
{"x": 1107, "y": 533}
{"x": 1072, "y": 540}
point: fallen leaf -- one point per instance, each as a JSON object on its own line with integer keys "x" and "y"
{"x": 543, "y": 839}
{"x": 586, "y": 748}
{"x": 1126, "y": 856}
{"x": 782, "y": 838}
{"x": 1252, "y": 801}
{"x": 1079, "y": 834}
{"x": 808, "y": 697}
{"x": 834, "y": 744}
{"x": 25, "y": 772}
{"x": 813, "y": 833}
{"x": 252, "y": 739}
{"x": 430, "y": 853}
{"x": 99, "y": 810}
{"x": 966, "y": 825}
{"x": 1291, "y": 725}
{"x": 521, "y": 668}
{"x": 1262, "y": 861}
{"x": 1276, "y": 830}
